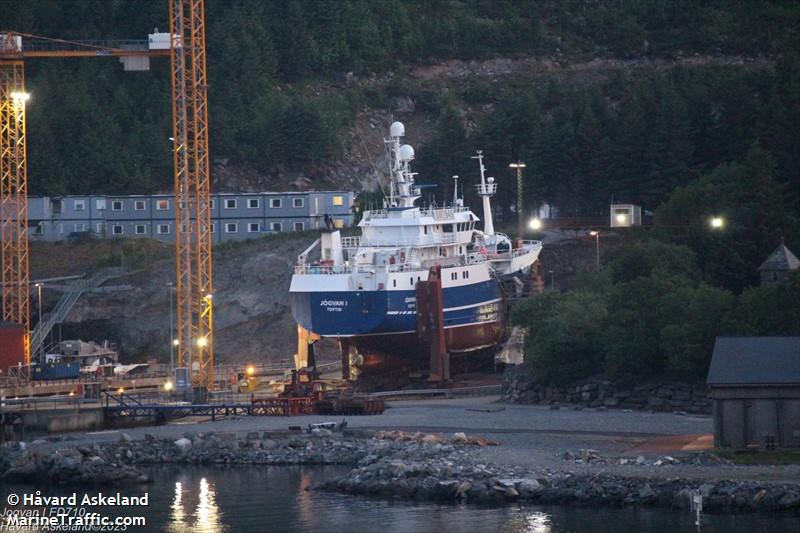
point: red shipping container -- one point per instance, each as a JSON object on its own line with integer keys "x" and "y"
{"x": 12, "y": 345}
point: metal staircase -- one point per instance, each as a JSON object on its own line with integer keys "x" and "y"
{"x": 66, "y": 303}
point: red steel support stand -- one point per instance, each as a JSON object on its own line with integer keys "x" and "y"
{"x": 430, "y": 325}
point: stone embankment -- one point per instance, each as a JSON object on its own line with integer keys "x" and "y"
{"x": 392, "y": 464}
{"x": 444, "y": 479}
{"x": 519, "y": 386}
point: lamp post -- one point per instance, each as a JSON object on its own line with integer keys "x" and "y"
{"x": 596, "y": 235}
{"x": 39, "y": 292}
{"x": 173, "y": 342}
{"x": 518, "y": 166}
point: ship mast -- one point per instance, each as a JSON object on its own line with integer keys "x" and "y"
{"x": 402, "y": 191}
{"x": 486, "y": 190}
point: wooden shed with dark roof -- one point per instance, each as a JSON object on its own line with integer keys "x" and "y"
{"x": 778, "y": 265}
{"x": 755, "y": 386}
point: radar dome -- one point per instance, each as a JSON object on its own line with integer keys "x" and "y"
{"x": 397, "y": 129}
{"x": 406, "y": 152}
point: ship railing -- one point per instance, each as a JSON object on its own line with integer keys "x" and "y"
{"x": 527, "y": 247}
{"x": 320, "y": 269}
{"x": 376, "y": 213}
{"x": 403, "y": 267}
{"x": 475, "y": 258}
{"x": 443, "y": 213}
{"x": 449, "y": 238}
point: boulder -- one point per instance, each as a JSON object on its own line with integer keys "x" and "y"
{"x": 789, "y": 500}
{"x": 183, "y": 444}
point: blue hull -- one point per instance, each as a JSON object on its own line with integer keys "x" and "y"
{"x": 348, "y": 314}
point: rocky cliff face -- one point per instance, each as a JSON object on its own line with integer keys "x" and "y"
{"x": 252, "y": 315}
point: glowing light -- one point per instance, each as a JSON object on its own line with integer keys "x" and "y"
{"x": 535, "y": 224}
{"x": 168, "y": 386}
{"x": 120, "y": 390}
{"x": 622, "y": 218}
{"x": 538, "y": 523}
{"x": 594, "y": 233}
{"x": 717, "y": 222}
{"x": 71, "y": 393}
{"x": 251, "y": 370}
{"x": 178, "y": 515}
{"x": 20, "y": 96}
{"x": 207, "y": 512}
{"x": 208, "y": 297}
{"x": 517, "y": 165}
{"x": 175, "y": 342}
{"x": 202, "y": 342}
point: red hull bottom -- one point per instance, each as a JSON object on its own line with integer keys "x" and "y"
{"x": 381, "y": 353}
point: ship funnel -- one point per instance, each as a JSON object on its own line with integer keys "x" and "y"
{"x": 397, "y": 129}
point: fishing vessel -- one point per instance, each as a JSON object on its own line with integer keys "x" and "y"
{"x": 361, "y": 290}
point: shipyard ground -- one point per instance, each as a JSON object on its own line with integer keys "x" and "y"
{"x": 533, "y": 437}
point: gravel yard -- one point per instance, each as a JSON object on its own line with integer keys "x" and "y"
{"x": 531, "y": 436}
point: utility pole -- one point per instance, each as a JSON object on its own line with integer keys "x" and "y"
{"x": 596, "y": 235}
{"x": 39, "y": 290}
{"x": 519, "y": 165}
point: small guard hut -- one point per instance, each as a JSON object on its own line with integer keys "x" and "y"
{"x": 778, "y": 265}
{"x": 755, "y": 386}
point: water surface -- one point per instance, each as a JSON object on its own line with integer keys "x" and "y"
{"x": 275, "y": 499}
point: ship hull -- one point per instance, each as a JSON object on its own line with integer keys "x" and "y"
{"x": 386, "y": 321}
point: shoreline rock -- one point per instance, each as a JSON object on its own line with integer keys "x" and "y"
{"x": 439, "y": 480}
{"x": 519, "y": 386}
{"x": 386, "y": 464}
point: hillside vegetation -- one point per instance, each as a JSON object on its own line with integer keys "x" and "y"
{"x": 280, "y": 96}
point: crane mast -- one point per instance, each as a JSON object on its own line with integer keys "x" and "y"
{"x": 15, "y": 275}
{"x": 187, "y": 51}
{"x": 192, "y": 191}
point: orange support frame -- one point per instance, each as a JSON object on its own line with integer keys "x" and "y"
{"x": 192, "y": 190}
{"x": 15, "y": 274}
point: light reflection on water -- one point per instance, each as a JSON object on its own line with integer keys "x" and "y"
{"x": 538, "y": 523}
{"x": 207, "y": 517}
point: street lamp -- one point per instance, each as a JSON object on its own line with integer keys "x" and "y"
{"x": 518, "y": 166}
{"x": 596, "y": 235}
{"x": 20, "y": 96}
{"x": 535, "y": 224}
{"x": 39, "y": 292}
{"x": 175, "y": 341}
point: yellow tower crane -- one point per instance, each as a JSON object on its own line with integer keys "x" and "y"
{"x": 186, "y": 48}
